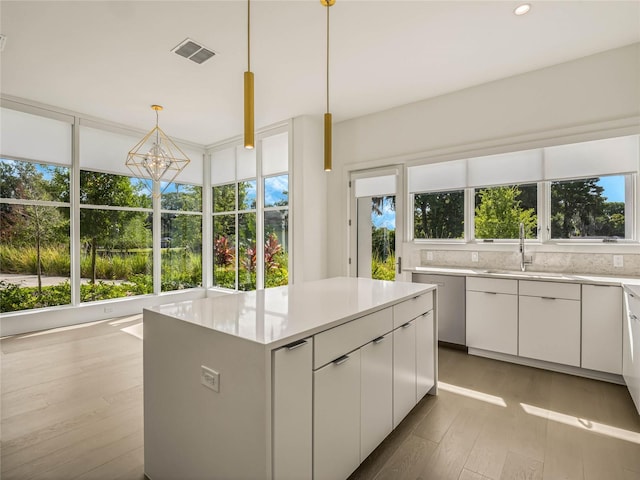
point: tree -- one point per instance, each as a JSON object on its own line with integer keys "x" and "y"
{"x": 575, "y": 205}
{"x": 439, "y": 215}
{"x": 499, "y": 214}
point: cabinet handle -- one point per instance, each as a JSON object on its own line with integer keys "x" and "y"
{"x": 416, "y": 297}
{"x": 632, "y": 295}
{"x": 341, "y": 360}
{"x": 634, "y": 317}
{"x": 491, "y": 293}
{"x": 406, "y": 325}
{"x": 378, "y": 340}
{"x": 294, "y": 345}
{"x": 548, "y": 298}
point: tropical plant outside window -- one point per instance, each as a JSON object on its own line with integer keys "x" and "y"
{"x": 383, "y": 238}
{"x": 34, "y": 235}
{"x": 276, "y": 231}
{"x": 438, "y": 215}
{"x": 500, "y": 210}
{"x": 580, "y": 208}
{"x": 181, "y": 238}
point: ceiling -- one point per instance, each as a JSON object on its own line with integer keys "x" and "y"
{"x": 113, "y": 59}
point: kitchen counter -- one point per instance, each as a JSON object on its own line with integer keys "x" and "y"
{"x": 300, "y": 381}
{"x": 276, "y": 316}
{"x": 529, "y": 275}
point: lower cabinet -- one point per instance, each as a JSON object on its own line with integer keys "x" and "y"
{"x": 602, "y": 328}
{"x": 631, "y": 346}
{"x": 292, "y": 407}
{"x": 549, "y": 322}
{"x": 425, "y": 358}
{"x": 336, "y": 418}
{"x": 404, "y": 371}
{"x": 492, "y": 314}
{"x": 376, "y": 393}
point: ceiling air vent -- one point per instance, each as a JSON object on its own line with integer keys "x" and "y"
{"x": 193, "y": 51}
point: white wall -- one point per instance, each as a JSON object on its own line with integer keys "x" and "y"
{"x": 309, "y": 200}
{"x": 578, "y": 100}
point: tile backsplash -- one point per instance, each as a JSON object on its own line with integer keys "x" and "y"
{"x": 587, "y": 263}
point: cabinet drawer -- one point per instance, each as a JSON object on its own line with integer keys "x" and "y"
{"x": 345, "y": 338}
{"x": 493, "y": 285}
{"x": 409, "y": 309}
{"x": 568, "y": 291}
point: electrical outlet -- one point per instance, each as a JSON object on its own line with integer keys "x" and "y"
{"x": 618, "y": 261}
{"x": 108, "y": 309}
{"x": 474, "y": 257}
{"x": 210, "y": 378}
{"x": 429, "y": 256}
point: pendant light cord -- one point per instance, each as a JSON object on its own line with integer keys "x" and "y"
{"x": 248, "y": 35}
{"x": 328, "y": 57}
{"x": 157, "y": 131}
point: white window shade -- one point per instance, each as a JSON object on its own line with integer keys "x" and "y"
{"x": 375, "y": 186}
{"x": 438, "y": 176}
{"x": 245, "y": 163}
{"x": 32, "y": 137}
{"x": 506, "y": 169}
{"x": 105, "y": 151}
{"x": 192, "y": 173}
{"x": 275, "y": 154}
{"x": 223, "y": 166}
{"x": 600, "y": 157}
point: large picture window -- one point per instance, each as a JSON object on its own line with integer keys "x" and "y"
{"x": 500, "y": 210}
{"x": 438, "y": 215}
{"x": 116, "y": 235}
{"x": 34, "y": 235}
{"x": 588, "y": 208}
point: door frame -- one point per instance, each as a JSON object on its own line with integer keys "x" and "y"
{"x": 398, "y": 171}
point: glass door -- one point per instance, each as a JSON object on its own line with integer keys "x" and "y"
{"x": 377, "y": 220}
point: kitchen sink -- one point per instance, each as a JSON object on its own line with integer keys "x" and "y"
{"x": 526, "y": 274}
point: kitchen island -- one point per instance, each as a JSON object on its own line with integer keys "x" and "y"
{"x": 301, "y": 381}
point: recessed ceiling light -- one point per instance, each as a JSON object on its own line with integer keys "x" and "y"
{"x": 522, "y": 9}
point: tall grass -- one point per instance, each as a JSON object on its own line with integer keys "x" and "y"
{"x": 56, "y": 261}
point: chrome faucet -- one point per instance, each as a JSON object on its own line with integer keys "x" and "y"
{"x": 523, "y": 258}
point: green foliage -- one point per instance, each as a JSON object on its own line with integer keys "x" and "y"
{"x": 383, "y": 269}
{"x": 14, "y": 297}
{"x": 500, "y": 213}
{"x": 383, "y": 243}
{"x": 55, "y": 260}
{"x": 439, "y": 215}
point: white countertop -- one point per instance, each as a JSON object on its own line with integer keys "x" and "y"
{"x": 285, "y": 314}
{"x": 529, "y": 275}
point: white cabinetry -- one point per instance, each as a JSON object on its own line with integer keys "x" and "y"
{"x": 425, "y": 358}
{"x": 602, "y": 328}
{"x": 549, "y": 322}
{"x": 492, "y": 314}
{"x": 376, "y": 393}
{"x": 404, "y": 371}
{"x": 631, "y": 346}
{"x": 336, "y": 418}
{"x": 292, "y": 410}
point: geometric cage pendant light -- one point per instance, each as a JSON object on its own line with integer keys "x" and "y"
{"x": 156, "y": 156}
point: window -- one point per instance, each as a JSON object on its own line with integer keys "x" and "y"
{"x": 500, "y": 210}
{"x": 438, "y": 215}
{"x": 34, "y": 235}
{"x": 181, "y": 237}
{"x": 116, "y": 234}
{"x": 588, "y": 208}
{"x": 251, "y": 215}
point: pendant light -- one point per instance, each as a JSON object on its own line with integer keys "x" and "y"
{"x": 327, "y": 116}
{"x": 249, "y": 134}
{"x": 163, "y": 161}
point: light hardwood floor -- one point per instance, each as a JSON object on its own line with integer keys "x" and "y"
{"x": 72, "y": 408}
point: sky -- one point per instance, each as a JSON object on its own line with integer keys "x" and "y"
{"x": 613, "y": 188}
{"x": 388, "y": 217}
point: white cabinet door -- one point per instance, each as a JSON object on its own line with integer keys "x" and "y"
{"x": 404, "y": 371}
{"x": 292, "y": 410}
{"x": 425, "y": 355}
{"x": 631, "y": 362}
{"x": 550, "y": 329}
{"x": 336, "y": 418}
{"x": 602, "y": 328}
{"x": 376, "y": 393}
{"x": 492, "y": 321}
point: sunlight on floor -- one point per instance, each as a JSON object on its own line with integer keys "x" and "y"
{"x": 62, "y": 329}
{"x": 131, "y": 318}
{"x": 583, "y": 423}
{"x": 135, "y": 330}
{"x": 476, "y": 395}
